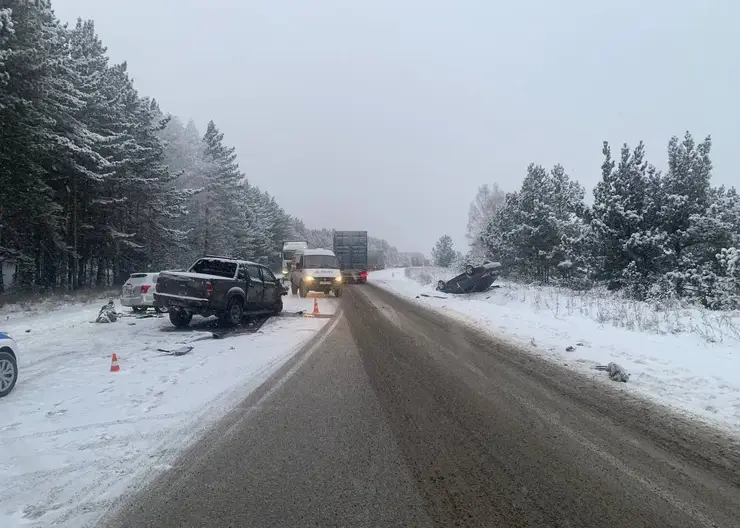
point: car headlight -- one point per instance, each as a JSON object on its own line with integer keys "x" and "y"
{"x": 338, "y": 279}
{"x": 285, "y": 272}
{"x": 308, "y": 278}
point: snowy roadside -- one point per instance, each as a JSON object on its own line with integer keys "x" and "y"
{"x": 75, "y": 436}
{"x": 682, "y": 360}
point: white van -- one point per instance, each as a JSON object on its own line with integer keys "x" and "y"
{"x": 316, "y": 270}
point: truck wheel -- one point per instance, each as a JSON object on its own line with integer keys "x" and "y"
{"x": 180, "y": 318}
{"x": 338, "y": 292}
{"x": 234, "y": 312}
{"x": 303, "y": 292}
{"x": 293, "y": 289}
{"x": 440, "y": 285}
{"x": 469, "y": 269}
{"x": 8, "y": 373}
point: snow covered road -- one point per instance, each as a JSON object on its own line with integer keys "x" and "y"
{"x": 682, "y": 358}
{"x": 75, "y": 436}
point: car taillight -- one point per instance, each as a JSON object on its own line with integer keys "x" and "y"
{"x": 363, "y": 274}
{"x": 145, "y": 288}
{"x": 209, "y": 289}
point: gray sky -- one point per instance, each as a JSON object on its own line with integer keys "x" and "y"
{"x": 387, "y": 115}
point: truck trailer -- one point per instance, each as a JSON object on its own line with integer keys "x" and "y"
{"x": 350, "y": 247}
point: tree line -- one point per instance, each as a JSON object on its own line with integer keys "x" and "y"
{"x": 97, "y": 181}
{"x": 648, "y": 233}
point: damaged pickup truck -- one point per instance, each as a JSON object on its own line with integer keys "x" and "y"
{"x": 221, "y": 286}
{"x": 474, "y": 279}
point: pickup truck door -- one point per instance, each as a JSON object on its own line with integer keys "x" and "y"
{"x": 256, "y": 292}
{"x": 272, "y": 293}
{"x": 242, "y": 279}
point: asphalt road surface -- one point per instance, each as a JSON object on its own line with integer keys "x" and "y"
{"x": 398, "y": 416}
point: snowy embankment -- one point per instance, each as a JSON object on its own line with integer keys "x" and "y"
{"x": 685, "y": 358}
{"x": 74, "y": 436}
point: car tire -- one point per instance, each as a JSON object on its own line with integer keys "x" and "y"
{"x": 138, "y": 309}
{"x": 180, "y": 318}
{"x": 160, "y": 309}
{"x": 8, "y": 373}
{"x": 337, "y": 292}
{"x": 441, "y": 285}
{"x": 234, "y": 312}
{"x": 469, "y": 269}
{"x": 303, "y": 291}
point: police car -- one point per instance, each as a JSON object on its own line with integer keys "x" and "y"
{"x": 8, "y": 363}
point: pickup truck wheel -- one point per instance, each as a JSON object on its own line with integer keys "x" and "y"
{"x": 234, "y": 312}
{"x": 440, "y": 285}
{"x": 160, "y": 309}
{"x": 338, "y": 292}
{"x": 278, "y": 306}
{"x": 469, "y": 269}
{"x": 180, "y": 318}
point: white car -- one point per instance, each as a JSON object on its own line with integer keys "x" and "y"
{"x": 8, "y": 363}
{"x": 316, "y": 270}
{"x": 138, "y": 292}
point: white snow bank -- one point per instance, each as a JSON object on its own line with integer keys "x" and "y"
{"x": 74, "y": 436}
{"x": 688, "y": 359}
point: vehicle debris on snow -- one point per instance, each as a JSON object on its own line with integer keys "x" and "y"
{"x": 107, "y": 313}
{"x": 616, "y": 372}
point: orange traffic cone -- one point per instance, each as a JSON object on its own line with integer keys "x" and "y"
{"x": 114, "y": 363}
{"x": 315, "y": 306}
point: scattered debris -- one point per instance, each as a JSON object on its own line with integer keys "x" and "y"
{"x": 107, "y": 313}
{"x": 616, "y": 372}
{"x": 570, "y": 348}
{"x": 435, "y": 296}
{"x": 177, "y": 351}
{"x": 533, "y": 343}
{"x": 579, "y": 344}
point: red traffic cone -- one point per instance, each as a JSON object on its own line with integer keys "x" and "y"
{"x": 114, "y": 363}
{"x": 315, "y": 306}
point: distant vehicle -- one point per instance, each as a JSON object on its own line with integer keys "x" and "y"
{"x": 316, "y": 270}
{"x": 221, "y": 286}
{"x": 138, "y": 292}
{"x": 8, "y": 363}
{"x": 350, "y": 247}
{"x": 288, "y": 254}
{"x": 474, "y": 279}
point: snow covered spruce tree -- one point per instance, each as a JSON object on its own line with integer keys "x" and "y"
{"x": 443, "y": 253}
{"x": 534, "y": 233}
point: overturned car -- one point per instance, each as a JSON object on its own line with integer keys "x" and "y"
{"x": 474, "y": 279}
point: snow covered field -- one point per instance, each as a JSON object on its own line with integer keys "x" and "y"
{"x": 74, "y": 436}
{"x": 688, "y": 359}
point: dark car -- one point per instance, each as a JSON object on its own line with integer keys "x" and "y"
{"x": 221, "y": 286}
{"x": 475, "y": 279}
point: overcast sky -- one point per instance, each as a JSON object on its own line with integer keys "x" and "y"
{"x": 387, "y": 115}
